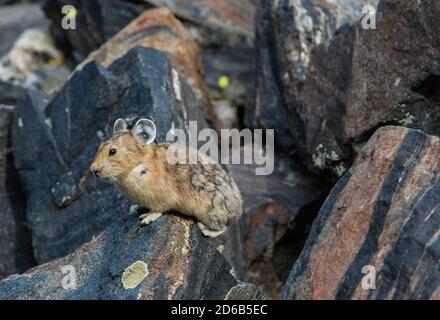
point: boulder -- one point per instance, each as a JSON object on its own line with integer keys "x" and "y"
{"x": 32, "y": 62}
{"x": 158, "y": 29}
{"x": 168, "y": 259}
{"x": 235, "y": 16}
{"x": 15, "y": 238}
{"x": 54, "y": 142}
{"x": 223, "y": 29}
{"x": 336, "y": 88}
{"x": 15, "y": 19}
{"x": 287, "y": 32}
{"x": 383, "y": 76}
{"x": 96, "y": 21}
{"x": 377, "y": 234}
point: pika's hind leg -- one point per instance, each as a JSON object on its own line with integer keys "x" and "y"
{"x": 149, "y": 217}
{"x": 210, "y": 233}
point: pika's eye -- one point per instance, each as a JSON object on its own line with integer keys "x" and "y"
{"x": 112, "y": 152}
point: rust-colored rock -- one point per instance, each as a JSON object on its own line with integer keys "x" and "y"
{"x": 384, "y": 213}
{"x": 158, "y": 29}
{"x": 233, "y": 15}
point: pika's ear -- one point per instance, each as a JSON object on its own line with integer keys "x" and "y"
{"x": 120, "y": 125}
{"x": 145, "y": 131}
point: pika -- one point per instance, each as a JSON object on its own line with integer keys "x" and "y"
{"x": 138, "y": 167}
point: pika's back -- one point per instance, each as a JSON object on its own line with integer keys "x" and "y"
{"x": 203, "y": 181}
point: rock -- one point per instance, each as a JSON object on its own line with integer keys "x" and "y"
{"x": 336, "y": 93}
{"x": 158, "y": 29}
{"x": 168, "y": 259}
{"x": 222, "y": 29}
{"x": 15, "y": 19}
{"x": 226, "y": 50}
{"x": 33, "y": 62}
{"x": 377, "y": 234}
{"x": 96, "y": 22}
{"x": 232, "y": 15}
{"x": 287, "y": 32}
{"x": 54, "y": 143}
{"x": 105, "y": 20}
{"x": 15, "y": 239}
{"x": 278, "y": 211}
{"x": 10, "y": 94}
{"x": 376, "y": 78}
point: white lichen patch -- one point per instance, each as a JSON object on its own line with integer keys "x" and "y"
{"x": 176, "y": 85}
{"x": 133, "y": 209}
{"x": 221, "y": 248}
{"x": 340, "y": 169}
{"x": 187, "y": 245}
{"x": 318, "y": 157}
{"x": 20, "y": 122}
{"x": 134, "y": 274}
{"x": 48, "y": 122}
{"x": 334, "y": 156}
{"x": 321, "y": 157}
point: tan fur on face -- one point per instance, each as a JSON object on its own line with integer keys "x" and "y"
{"x": 116, "y": 167}
{"x": 142, "y": 172}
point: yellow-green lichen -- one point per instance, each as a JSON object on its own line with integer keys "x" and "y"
{"x": 321, "y": 157}
{"x": 407, "y": 120}
{"x": 340, "y": 169}
{"x": 134, "y": 274}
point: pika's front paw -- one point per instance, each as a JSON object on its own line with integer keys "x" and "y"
{"x": 210, "y": 233}
{"x": 149, "y": 217}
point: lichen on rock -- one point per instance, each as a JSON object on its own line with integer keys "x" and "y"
{"x": 134, "y": 274}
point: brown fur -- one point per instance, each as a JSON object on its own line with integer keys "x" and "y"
{"x": 204, "y": 191}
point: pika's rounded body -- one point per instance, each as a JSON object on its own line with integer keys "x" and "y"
{"x": 141, "y": 169}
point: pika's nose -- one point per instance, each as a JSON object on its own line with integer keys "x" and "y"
{"x": 94, "y": 171}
